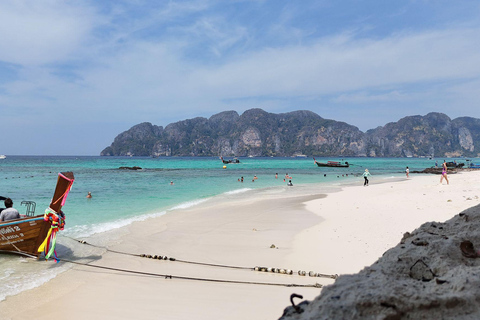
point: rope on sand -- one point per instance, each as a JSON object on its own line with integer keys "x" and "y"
{"x": 261, "y": 269}
{"x": 167, "y": 276}
{"x": 317, "y": 285}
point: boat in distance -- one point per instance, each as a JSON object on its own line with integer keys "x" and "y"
{"x": 333, "y": 164}
{"x": 234, "y": 160}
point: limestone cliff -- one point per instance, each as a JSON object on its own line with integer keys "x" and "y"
{"x": 254, "y": 133}
{"x": 259, "y": 133}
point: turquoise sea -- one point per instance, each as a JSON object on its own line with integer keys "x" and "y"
{"x": 121, "y": 197}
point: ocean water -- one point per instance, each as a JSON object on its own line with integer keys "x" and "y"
{"x": 121, "y": 197}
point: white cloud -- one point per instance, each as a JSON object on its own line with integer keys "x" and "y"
{"x": 365, "y": 97}
{"x": 343, "y": 63}
{"x": 40, "y": 32}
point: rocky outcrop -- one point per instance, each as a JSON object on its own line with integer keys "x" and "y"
{"x": 141, "y": 139}
{"x": 259, "y": 133}
{"x": 254, "y": 133}
{"x": 434, "y": 134}
{"x": 433, "y": 273}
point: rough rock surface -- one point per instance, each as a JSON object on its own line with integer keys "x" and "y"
{"x": 426, "y": 276}
{"x": 260, "y": 133}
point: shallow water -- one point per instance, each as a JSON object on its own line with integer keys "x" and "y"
{"x": 121, "y": 197}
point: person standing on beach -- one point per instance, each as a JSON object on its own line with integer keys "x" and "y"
{"x": 407, "y": 171}
{"x": 444, "y": 172}
{"x": 366, "y": 174}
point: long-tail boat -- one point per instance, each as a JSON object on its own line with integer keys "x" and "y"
{"x": 234, "y": 160}
{"x": 33, "y": 234}
{"x": 335, "y": 164}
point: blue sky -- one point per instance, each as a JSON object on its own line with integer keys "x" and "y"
{"x": 74, "y": 74}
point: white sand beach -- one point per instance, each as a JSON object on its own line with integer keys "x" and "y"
{"x": 339, "y": 233}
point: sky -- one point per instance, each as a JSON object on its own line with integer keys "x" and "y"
{"x": 74, "y": 74}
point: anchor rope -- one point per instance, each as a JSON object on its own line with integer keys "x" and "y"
{"x": 160, "y": 257}
{"x": 167, "y": 276}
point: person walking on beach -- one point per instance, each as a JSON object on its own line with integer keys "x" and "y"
{"x": 366, "y": 174}
{"x": 407, "y": 172}
{"x": 444, "y": 172}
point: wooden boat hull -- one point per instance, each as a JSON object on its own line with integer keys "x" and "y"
{"x": 332, "y": 165}
{"x": 23, "y": 236}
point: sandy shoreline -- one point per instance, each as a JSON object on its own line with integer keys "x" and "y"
{"x": 338, "y": 234}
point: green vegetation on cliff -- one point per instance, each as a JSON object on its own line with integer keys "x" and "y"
{"x": 259, "y": 133}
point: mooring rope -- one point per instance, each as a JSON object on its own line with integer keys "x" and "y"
{"x": 166, "y": 276}
{"x": 261, "y": 269}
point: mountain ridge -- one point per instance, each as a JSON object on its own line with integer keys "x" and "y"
{"x": 259, "y": 133}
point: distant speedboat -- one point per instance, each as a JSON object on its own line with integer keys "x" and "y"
{"x": 2, "y": 156}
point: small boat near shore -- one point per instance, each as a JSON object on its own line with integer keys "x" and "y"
{"x": 234, "y": 160}
{"x": 334, "y": 164}
{"x": 33, "y": 234}
{"x": 454, "y": 164}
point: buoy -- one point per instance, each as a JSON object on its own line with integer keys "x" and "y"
{"x": 224, "y": 167}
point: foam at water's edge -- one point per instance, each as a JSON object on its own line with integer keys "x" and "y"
{"x": 86, "y": 231}
{"x": 238, "y": 191}
{"x": 189, "y": 204}
{"x": 17, "y": 283}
